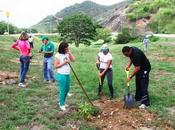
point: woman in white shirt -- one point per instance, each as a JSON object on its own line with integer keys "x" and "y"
{"x": 104, "y": 63}
{"x": 61, "y": 63}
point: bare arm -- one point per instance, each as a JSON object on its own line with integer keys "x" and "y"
{"x": 71, "y": 57}
{"x": 57, "y": 63}
{"x": 136, "y": 70}
{"x": 108, "y": 65}
{"x": 128, "y": 65}
{"x": 15, "y": 46}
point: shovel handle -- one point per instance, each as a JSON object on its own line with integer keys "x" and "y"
{"x": 127, "y": 75}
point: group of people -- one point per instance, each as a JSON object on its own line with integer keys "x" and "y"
{"x": 62, "y": 59}
{"x": 104, "y": 64}
{"x": 141, "y": 72}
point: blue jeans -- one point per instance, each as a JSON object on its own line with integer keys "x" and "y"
{"x": 48, "y": 68}
{"x": 25, "y": 61}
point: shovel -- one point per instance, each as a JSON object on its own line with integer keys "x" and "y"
{"x": 129, "y": 100}
{"x": 80, "y": 85}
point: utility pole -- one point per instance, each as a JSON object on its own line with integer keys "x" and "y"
{"x": 7, "y": 13}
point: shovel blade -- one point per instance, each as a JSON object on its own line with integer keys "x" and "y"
{"x": 129, "y": 101}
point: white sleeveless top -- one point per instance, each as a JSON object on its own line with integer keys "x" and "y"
{"x": 65, "y": 69}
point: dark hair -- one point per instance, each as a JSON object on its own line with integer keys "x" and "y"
{"x": 62, "y": 47}
{"x": 24, "y": 36}
{"x": 126, "y": 49}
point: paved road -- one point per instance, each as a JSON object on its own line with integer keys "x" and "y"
{"x": 165, "y": 35}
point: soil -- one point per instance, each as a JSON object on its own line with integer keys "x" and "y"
{"x": 171, "y": 111}
{"x": 6, "y": 77}
{"x": 115, "y": 117}
{"x": 160, "y": 58}
{"x": 32, "y": 62}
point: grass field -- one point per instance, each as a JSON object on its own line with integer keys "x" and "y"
{"x": 36, "y": 106}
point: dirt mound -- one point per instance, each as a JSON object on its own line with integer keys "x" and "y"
{"x": 161, "y": 58}
{"x": 7, "y": 77}
{"x": 115, "y": 117}
{"x": 32, "y": 62}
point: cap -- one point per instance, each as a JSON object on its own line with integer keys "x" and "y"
{"x": 44, "y": 38}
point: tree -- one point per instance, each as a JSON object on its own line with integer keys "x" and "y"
{"x": 103, "y": 33}
{"x": 78, "y": 28}
{"x": 3, "y": 28}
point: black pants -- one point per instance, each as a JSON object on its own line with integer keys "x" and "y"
{"x": 142, "y": 81}
{"x": 109, "y": 75}
{"x": 31, "y": 44}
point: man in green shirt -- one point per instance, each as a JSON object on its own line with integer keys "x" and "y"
{"x": 48, "y": 50}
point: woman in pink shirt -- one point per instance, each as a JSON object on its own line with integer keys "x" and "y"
{"x": 23, "y": 46}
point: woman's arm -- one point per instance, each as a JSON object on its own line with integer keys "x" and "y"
{"x": 108, "y": 65}
{"x": 57, "y": 63}
{"x": 71, "y": 56}
{"x": 15, "y": 46}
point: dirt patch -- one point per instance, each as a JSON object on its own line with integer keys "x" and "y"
{"x": 168, "y": 43}
{"x": 115, "y": 117}
{"x": 33, "y": 126}
{"x": 171, "y": 111}
{"x": 7, "y": 77}
{"x": 32, "y": 62}
{"x": 157, "y": 75}
{"x": 160, "y": 58}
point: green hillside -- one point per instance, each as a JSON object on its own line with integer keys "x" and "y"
{"x": 161, "y": 14}
{"x": 92, "y": 9}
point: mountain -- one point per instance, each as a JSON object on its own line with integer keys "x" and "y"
{"x": 156, "y": 15}
{"x": 97, "y": 12}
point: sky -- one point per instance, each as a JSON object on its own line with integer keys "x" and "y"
{"x": 25, "y": 13}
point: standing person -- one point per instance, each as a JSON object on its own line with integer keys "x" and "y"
{"x": 48, "y": 49}
{"x": 23, "y": 46}
{"x": 104, "y": 61}
{"x": 141, "y": 71}
{"x": 31, "y": 41}
{"x": 61, "y": 63}
{"x": 146, "y": 42}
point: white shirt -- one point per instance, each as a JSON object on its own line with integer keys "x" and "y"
{"x": 65, "y": 69}
{"x": 30, "y": 39}
{"x": 146, "y": 41}
{"x": 104, "y": 59}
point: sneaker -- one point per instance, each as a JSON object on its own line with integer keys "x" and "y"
{"x": 22, "y": 85}
{"x": 45, "y": 81}
{"x": 51, "y": 81}
{"x": 65, "y": 105}
{"x": 69, "y": 94}
{"x": 63, "y": 108}
{"x": 142, "y": 106}
{"x": 19, "y": 84}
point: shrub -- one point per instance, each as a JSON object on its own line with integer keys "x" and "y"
{"x": 103, "y": 34}
{"x": 123, "y": 37}
{"x": 87, "y": 111}
{"x": 153, "y": 38}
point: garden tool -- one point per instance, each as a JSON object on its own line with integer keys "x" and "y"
{"x": 80, "y": 84}
{"x": 129, "y": 100}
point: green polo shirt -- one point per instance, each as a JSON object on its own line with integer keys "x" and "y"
{"x": 47, "y": 48}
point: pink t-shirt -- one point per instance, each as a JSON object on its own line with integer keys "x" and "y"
{"x": 23, "y": 47}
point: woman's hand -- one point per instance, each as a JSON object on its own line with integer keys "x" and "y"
{"x": 66, "y": 61}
